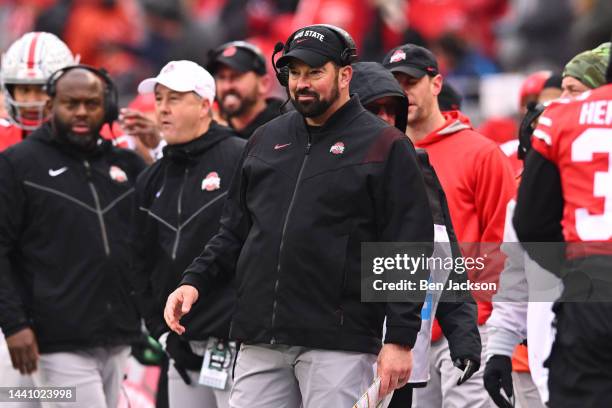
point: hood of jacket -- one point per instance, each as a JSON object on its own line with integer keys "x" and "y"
{"x": 455, "y": 121}
{"x": 371, "y": 81}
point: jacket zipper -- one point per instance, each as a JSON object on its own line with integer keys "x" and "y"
{"x": 179, "y": 212}
{"x": 280, "y": 250}
{"x": 98, "y": 208}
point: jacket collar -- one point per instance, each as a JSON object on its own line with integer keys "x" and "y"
{"x": 190, "y": 151}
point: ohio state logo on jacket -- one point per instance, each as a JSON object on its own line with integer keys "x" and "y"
{"x": 211, "y": 182}
{"x": 337, "y": 148}
{"x": 117, "y": 174}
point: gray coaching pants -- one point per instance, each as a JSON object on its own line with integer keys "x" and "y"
{"x": 279, "y": 376}
{"x": 181, "y": 395}
{"x": 442, "y": 389}
{"x": 96, "y": 373}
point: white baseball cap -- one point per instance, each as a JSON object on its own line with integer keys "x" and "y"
{"x": 182, "y": 76}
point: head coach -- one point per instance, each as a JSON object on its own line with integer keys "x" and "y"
{"x": 313, "y": 185}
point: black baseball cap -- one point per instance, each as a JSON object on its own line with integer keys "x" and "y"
{"x": 449, "y": 99}
{"x": 314, "y": 45}
{"x": 412, "y": 60}
{"x": 238, "y": 55}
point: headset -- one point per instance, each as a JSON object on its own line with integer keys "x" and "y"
{"x": 260, "y": 59}
{"x": 347, "y": 56}
{"x": 111, "y": 95}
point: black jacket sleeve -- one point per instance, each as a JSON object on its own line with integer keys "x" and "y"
{"x": 406, "y": 217}
{"x": 458, "y": 323}
{"x": 143, "y": 240}
{"x": 539, "y": 211}
{"x": 13, "y": 315}
{"x": 220, "y": 255}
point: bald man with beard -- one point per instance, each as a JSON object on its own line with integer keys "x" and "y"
{"x": 66, "y": 199}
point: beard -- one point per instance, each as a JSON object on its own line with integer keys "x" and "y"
{"x": 244, "y": 104}
{"x": 317, "y": 106}
{"x": 84, "y": 142}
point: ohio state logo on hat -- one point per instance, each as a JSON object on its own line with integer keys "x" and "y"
{"x": 168, "y": 68}
{"x": 117, "y": 174}
{"x": 230, "y": 51}
{"x": 397, "y": 56}
{"x": 211, "y": 182}
{"x": 337, "y": 148}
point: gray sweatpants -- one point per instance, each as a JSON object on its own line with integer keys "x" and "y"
{"x": 181, "y": 395}
{"x": 96, "y": 373}
{"x": 289, "y": 377}
{"x": 442, "y": 389}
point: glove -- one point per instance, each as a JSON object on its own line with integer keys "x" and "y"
{"x": 469, "y": 367}
{"x": 498, "y": 376}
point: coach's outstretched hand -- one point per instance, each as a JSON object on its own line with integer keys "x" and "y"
{"x": 178, "y": 305}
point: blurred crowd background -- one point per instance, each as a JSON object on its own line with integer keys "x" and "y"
{"x": 485, "y": 47}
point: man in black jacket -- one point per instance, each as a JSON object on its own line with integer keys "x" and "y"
{"x": 313, "y": 185}
{"x": 65, "y": 210}
{"x": 179, "y": 201}
{"x": 382, "y": 95}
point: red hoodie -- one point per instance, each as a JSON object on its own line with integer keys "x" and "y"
{"x": 478, "y": 181}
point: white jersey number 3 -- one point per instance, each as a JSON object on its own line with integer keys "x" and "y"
{"x": 588, "y": 226}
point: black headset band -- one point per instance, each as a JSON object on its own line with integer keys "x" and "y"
{"x": 101, "y": 73}
{"x": 111, "y": 94}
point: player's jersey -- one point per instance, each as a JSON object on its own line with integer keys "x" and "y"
{"x": 576, "y": 135}
{"x": 9, "y": 134}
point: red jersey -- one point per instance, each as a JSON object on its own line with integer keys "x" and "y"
{"x": 9, "y": 134}
{"x": 576, "y": 135}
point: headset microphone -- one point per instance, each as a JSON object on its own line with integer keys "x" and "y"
{"x": 283, "y": 74}
{"x": 278, "y": 47}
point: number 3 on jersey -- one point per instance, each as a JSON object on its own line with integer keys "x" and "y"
{"x": 595, "y": 227}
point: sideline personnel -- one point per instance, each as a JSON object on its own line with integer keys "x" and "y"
{"x": 242, "y": 83}
{"x": 26, "y": 66}
{"x": 65, "y": 209}
{"x": 313, "y": 185}
{"x": 180, "y": 198}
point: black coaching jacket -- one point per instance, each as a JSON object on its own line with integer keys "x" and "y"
{"x": 180, "y": 199}
{"x": 298, "y": 209}
{"x": 64, "y": 222}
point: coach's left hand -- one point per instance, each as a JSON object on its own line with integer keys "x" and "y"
{"x": 394, "y": 365}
